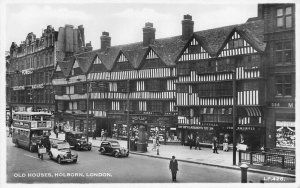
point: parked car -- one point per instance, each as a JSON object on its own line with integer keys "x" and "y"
{"x": 61, "y": 152}
{"x": 77, "y": 140}
{"x": 113, "y": 148}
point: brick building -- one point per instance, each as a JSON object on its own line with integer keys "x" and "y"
{"x": 31, "y": 66}
{"x": 198, "y": 83}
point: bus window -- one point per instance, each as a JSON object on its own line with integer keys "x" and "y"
{"x": 46, "y": 118}
{"x": 36, "y": 118}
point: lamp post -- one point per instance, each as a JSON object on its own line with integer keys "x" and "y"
{"x": 87, "y": 107}
{"x": 234, "y": 114}
{"x": 127, "y": 118}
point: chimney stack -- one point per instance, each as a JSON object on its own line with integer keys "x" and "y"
{"x": 105, "y": 40}
{"x": 260, "y": 11}
{"x": 148, "y": 34}
{"x": 187, "y": 27}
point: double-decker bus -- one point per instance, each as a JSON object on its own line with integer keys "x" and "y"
{"x": 29, "y": 128}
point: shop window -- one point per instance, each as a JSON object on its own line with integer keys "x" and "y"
{"x": 283, "y": 85}
{"x": 285, "y": 134}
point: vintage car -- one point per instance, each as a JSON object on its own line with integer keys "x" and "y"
{"x": 113, "y": 148}
{"x": 61, "y": 152}
{"x": 77, "y": 140}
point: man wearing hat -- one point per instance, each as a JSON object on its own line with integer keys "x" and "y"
{"x": 173, "y": 167}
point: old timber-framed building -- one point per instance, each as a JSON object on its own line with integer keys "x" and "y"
{"x": 189, "y": 84}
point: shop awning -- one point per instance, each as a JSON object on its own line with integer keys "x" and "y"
{"x": 253, "y": 111}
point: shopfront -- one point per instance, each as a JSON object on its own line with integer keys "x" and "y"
{"x": 285, "y": 134}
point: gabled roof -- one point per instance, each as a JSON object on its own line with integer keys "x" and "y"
{"x": 66, "y": 65}
{"x": 169, "y": 49}
{"x": 214, "y": 39}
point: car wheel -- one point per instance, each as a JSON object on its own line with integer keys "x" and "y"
{"x": 50, "y": 155}
{"x": 59, "y": 160}
{"x": 117, "y": 154}
{"x": 89, "y": 148}
{"x": 31, "y": 148}
{"x": 42, "y": 156}
{"x": 75, "y": 161}
{"x": 17, "y": 144}
{"x": 77, "y": 148}
{"x": 102, "y": 152}
{"x": 127, "y": 154}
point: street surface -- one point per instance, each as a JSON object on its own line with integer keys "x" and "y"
{"x": 92, "y": 167}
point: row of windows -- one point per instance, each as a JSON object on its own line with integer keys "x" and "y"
{"x": 200, "y": 111}
{"x": 38, "y": 61}
{"x": 219, "y": 65}
{"x": 31, "y": 79}
{"x": 32, "y": 96}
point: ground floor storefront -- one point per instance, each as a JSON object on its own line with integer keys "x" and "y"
{"x": 251, "y": 136}
{"x": 281, "y": 128}
{"x": 162, "y": 127}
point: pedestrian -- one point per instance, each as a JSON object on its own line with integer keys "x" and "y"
{"x": 55, "y": 130}
{"x": 215, "y": 145}
{"x": 197, "y": 145}
{"x": 173, "y": 166}
{"x": 157, "y": 145}
{"x": 102, "y": 134}
{"x": 225, "y": 144}
{"x": 190, "y": 141}
{"x": 94, "y": 135}
{"x": 105, "y": 134}
{"x": 10, "y": 132}
{"x": 154, "y": 143}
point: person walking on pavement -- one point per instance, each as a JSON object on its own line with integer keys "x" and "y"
{"x": 173, "y": 166}
{"x": 154, "y": 143}
{"x": 197, "y": 145}
{"x": 105, "y": 134}
{"x": 157, "y": 145}
{"x": 190, "y": 141}
{"x": 102, "y": 134}
{"x": 215, "y": 145}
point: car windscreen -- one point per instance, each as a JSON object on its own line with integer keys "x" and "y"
{"x": 61, "y": 146}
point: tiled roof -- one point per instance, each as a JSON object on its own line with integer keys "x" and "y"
{"x": 169, "y": 49}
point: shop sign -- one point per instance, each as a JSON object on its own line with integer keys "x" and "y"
{"x": 138, "y": 118}
{"x": 195, "y": 127}
{"x": 18, "y": 88}
{"x": 37, "y": 86}
{"x": 27, "y": 71}
{"x": 282, "y": 104}
{"x": 285, "y": 124}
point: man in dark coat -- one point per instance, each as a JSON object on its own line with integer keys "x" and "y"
{"x": 215, "y": 145}
{"x": 173, "y": 167}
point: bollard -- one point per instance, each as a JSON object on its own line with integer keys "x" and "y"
{"x": 244, "y": 169}
{"x": 157, "y": 151}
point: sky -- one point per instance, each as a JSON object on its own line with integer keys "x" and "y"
{"x": 123, "y": 21}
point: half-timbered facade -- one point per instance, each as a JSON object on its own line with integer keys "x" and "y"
{"x": 196, "y": 84}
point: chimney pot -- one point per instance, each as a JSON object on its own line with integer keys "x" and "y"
{"x": 148, "y": 34}
{"x": 187, "y": 27}
{"x": 105, "y": 40}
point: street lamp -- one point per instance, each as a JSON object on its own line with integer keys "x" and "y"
{"x": 234, "y": 114}
{"x": 127, "y": 117}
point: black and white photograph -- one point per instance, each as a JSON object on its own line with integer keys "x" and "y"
{"x": 149, "y": 93}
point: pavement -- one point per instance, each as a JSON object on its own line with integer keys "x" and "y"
{"x": 205, "y": 156}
